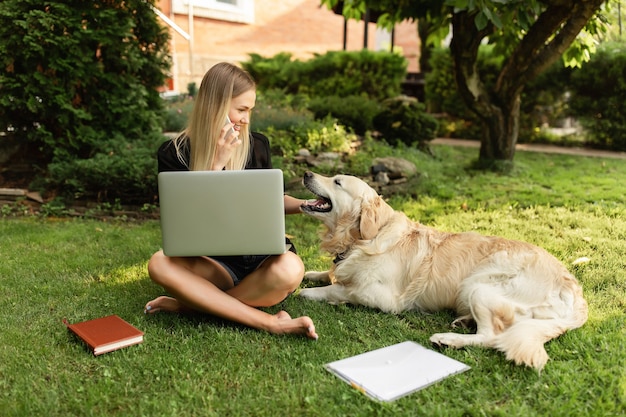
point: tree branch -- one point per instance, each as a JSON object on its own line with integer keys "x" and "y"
{"x": 540, "y": 47}
{"x": 466, "y": 40}
{"x": 582, "y": 12}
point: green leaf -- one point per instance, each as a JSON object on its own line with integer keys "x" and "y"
{"x": 458, "y": 5}
{"x": 493, "y": 17}
{"x": 481, "y": 20}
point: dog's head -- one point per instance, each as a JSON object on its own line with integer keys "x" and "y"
{"x": 349, "y": 208}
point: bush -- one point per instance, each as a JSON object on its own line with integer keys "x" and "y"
{"x": 354, "y": 111}
{"x": 377, "y": 75}
{"x": 598, "y": 98}
{"x": 440, "y": 89}
{"x": 74, "y": 74}
{"x": 544, "y": 102}
{"x": 406, "y": 121}
{"x": 280, "y": 111}
{"x": 192, "y": 89}
{"x": 344, "y": 85}
{"x": 328, "y": 137}
{"x": 290, "y": 126}
{"x": 315, "y": 136}
{"x": 278, "y": 72}
{"x": 176, "y": 115}
{"x": 123, "y": 171}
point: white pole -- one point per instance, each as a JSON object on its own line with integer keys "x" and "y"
{"x": 171, "y": 23}
{"x": 190, "y": 40}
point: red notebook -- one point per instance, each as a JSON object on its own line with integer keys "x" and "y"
{"x": 106, "y": 334}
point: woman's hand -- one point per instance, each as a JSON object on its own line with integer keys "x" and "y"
{"x": 226, "y": 144}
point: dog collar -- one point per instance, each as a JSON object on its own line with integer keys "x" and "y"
{"x": 340, "y": 257}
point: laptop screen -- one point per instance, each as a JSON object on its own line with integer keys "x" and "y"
{"x": 211, "y": 213}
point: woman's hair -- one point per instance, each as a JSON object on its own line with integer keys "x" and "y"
{"x": 219, "y": 86}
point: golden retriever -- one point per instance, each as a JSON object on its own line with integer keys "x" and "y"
{"x": 518, "y": 294}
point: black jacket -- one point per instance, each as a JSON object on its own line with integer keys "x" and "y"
{"x": 260, "y": 156}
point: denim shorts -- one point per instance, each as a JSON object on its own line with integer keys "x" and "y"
{"x": 241, "y": 266}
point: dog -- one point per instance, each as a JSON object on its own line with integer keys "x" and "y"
{"x": 518, "y": 295}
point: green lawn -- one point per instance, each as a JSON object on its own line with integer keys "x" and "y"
{"x": 194, "y": 365}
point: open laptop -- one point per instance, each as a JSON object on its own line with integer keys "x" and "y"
{"x": 216, "y": 213}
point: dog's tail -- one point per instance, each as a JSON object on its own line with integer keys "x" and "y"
{"x": 523, "y": 342}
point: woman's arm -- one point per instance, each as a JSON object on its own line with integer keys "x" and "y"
{"x": 292, "y": 204}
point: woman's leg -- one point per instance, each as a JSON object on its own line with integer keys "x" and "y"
{"x": 276, "y": 278}
{"x": 202, "y": 284}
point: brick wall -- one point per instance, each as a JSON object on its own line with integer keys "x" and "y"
{"x": 301, "y": 27}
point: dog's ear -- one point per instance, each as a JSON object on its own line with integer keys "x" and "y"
{"x": 374, "y": 214}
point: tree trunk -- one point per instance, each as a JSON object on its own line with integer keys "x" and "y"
{"x": 500, "y": 132}
{"x": 497, "y": 111}
{"x": 499, "y": 108}
{"x": 423, "y": 30}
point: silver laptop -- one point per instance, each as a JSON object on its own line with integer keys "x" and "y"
{"x": 216, "y": 213}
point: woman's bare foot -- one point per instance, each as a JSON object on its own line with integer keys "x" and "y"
{"x": 163, "y": 303}
{"x": 301, "y": 325}
{"x": 282, "y": 322}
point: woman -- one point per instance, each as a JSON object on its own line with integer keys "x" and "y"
{"x": 230, "y": 287}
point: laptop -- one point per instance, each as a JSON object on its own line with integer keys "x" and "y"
{"x": 213, "y": 213}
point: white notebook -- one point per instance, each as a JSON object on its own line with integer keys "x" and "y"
{"x": 394, "y": 371}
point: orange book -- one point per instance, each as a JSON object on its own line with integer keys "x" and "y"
{"x": 106, "y": 334}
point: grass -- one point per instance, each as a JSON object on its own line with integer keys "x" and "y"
{"x": 194, "y": 365}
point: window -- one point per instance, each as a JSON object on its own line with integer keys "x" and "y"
{"x": 241, "y": 11}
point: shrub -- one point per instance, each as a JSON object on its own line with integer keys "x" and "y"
{"x": 544, "y": 102}
{"x": 74, "y": 74}
{"x": 406, "y": 121}
{"x": 122, "y": 171}
{"x": 598, "y": 98}
{"x": 325, "y": 138}
{"x": 290, "y": 126}
{"x": 354, "y": 111}
{"x": 192, "y": 89}
{"x": 278, "y": 72}
{"x": 440, "y": 89}
{"x": 176, "y": 115}
{"x": 377, "y": 75}
{"x": 315, "y": 136}
{"x": 280, "y": 111}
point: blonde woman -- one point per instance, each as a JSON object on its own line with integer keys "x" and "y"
{"x": 230, "y": 287}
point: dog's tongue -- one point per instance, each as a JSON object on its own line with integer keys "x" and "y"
{"x": 315, "y": 203}
{"x": 323, "y": 204}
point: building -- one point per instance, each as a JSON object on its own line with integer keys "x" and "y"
{"x": 205, "y": 32}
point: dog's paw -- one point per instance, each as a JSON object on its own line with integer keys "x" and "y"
{"x": 452, "y": 340}
{"x": 310, "y": 294}
{"x": 316, "y": 276}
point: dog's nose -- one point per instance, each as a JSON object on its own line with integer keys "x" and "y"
{"x": 308, "y": 174}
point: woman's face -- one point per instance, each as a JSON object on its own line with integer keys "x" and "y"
{"x": 241, "y": 107}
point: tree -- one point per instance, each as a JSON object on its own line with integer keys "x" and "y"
{"x": 531, "y": 34}
{"x": 75, "y": 74}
